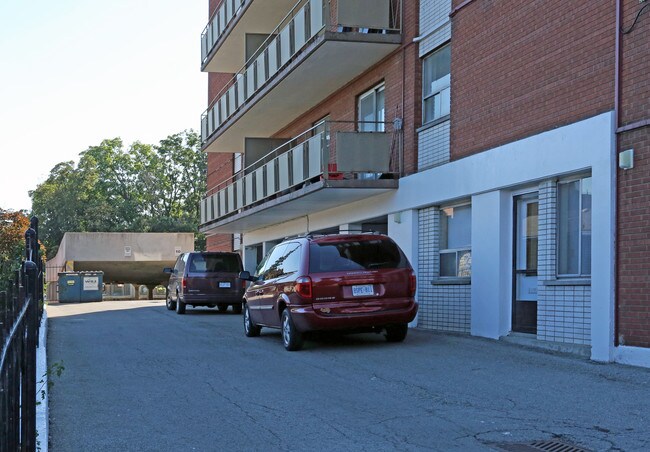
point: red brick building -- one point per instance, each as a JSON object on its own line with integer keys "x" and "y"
{"x": 483, "y": 136}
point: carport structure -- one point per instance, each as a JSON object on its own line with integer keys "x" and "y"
{"x": 124, "y": 257}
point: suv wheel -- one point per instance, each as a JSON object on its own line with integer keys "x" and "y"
{"x": 180, "y": 306}
{"x": 250, "y": 329}
{"x": 291, "y": 337}
{"x": 396, "y": 333}
{"x": 169, "y": 303}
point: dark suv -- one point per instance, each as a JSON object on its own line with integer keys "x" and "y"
{"x": 205, "y": 279}
{"x": 355, "y": 283}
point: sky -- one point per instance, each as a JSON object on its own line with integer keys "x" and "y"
{"x": 76, "y": 72}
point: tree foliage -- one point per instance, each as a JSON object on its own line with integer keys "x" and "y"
{"x": 142, "y": 188}
{"x": 12, "y": 241}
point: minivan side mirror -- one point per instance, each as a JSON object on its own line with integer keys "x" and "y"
{"x": 168, "y": 270}
{"x": 246, "y": 276}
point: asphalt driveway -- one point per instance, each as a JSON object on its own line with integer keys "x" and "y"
{"x": 140, "y": 378}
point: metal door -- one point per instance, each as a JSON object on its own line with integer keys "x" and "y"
{"x": 524, "y": 306}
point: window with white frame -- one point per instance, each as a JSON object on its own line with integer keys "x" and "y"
{"x": 455, "y": 241}
{"x": 436, "y": 94}
{"x": 574, "y": 228}
{"x": 370, "y": 110}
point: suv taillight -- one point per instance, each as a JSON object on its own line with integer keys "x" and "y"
{"x": 303, "y": 286}
{"x": 412, "y": 284}
{"x": 184, "y": 284}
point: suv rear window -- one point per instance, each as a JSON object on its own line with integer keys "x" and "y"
{"x": 210, "y": 263}
{"x": 354, "y": 255}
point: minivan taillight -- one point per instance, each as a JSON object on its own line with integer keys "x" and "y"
{"x": 303, "y": 286}
{"x": 412, "y": 284}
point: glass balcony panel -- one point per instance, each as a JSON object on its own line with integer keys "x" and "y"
{"x": 316, "y": 21}
{"x": 260, "y": 71}
{"x": 231, "y": 100}
{"x": 299, "y": 29}
{"x": 248, "y": 183}
{"x": 222, "y": 203}
{"x": 211, "y": 208}
{"x": 223, "y": 111}
{"x": 259, "y": 183}
{"x": 239, "y": 194}
{"x": 250, "y": 80}
{"x": 222, "y": 18}
{"x": 204, "y": 203}
{"x": 241, "y": 88}
{"x": 230, "y": 198}
{"x": 298, "y": 164}
{"x": 315, "y": 153}
{"x": 272, "y": 51}
{"x": 204, "y": 128}
{"x": 270, "y": 178}
{"x": 285, "y": 44}
{"x": 227, "y": 8}
{"x": 283, "y": 171}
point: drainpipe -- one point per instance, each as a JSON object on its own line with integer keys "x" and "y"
{"x": 617, "y": 100}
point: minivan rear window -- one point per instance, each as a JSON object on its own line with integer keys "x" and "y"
{"x": 209, "y": 263}
{"x": 354, "y": 255}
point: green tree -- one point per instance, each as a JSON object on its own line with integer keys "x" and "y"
{"x": 12, "y": 242}
{"x": 143, "y": 188}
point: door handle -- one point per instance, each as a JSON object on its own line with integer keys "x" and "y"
{"x": 259, "y": 292}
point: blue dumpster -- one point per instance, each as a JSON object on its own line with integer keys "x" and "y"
{"x": 69, "y": 287}
{"x": 80, "y": 286}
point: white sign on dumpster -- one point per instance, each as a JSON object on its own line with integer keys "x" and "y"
{"x": 91, "y": 283}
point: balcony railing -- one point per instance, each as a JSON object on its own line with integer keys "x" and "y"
{"x": 307, "y": 20}
{"x": 218, "y": 23}
{"x": 332, "y": 150}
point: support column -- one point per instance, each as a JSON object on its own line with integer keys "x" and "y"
{"x": 150, "y": 289}
{"x": 137, "y": 291}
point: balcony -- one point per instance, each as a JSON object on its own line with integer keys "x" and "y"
{"x": 317, "y": 48}
{"x": 223, "y": 41}
{"x": 329, "y": 165}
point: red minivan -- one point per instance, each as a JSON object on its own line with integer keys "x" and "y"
{"x": 205, "y": 279}
{"x": 345, "y": 282}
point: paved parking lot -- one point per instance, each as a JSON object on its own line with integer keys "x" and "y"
{"x": 138, "y": 377}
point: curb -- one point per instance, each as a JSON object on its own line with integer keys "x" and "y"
{"x": 42, "y": 410}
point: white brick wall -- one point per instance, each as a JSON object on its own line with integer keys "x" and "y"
{"x": 433, "y": 146}
{"x": 442, "y": 307}
{"x": 432, "y": 14}
{"x": 563, "y": 311}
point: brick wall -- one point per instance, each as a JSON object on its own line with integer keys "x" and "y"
{"x": 442, "y": 307}
{"x": 520, "y": 68}
{"x": 633, "y": 250}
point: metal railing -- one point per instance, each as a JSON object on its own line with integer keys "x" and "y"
{"x": 21, "y": 307}
{"x": 306, "y": 20}
{"x": 331, "y": 150}
{"x": 218, "y": 23}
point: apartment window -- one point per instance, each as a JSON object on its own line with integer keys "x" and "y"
{"x": 574, "y": 228}
{"x": 238, "y": 162}
{"x": 371, "y": 110}
{"x": 455, "y": 241}
{"x": 436, "y": 78}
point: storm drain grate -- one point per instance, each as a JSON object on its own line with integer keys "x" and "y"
{"x": 535, "y": 446}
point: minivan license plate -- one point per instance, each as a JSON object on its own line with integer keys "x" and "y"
{"x": 224, "y": 285}
{"x": 360, "y": 291}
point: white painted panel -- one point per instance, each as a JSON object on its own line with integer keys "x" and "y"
{"x": 283, "y": 171}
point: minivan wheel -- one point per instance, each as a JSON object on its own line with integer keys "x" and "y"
{"x": 180, "y": 306}
{"x": 250, "y": 329}
{"x": 222, "y": 307}
{"x": 236, "y": 308}
{"x": 396, "y": 333}
{"x": 291, "y": 337}
{"x": 169, "y": 303}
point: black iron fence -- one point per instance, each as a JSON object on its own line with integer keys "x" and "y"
{"x": 21, "y": 307}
